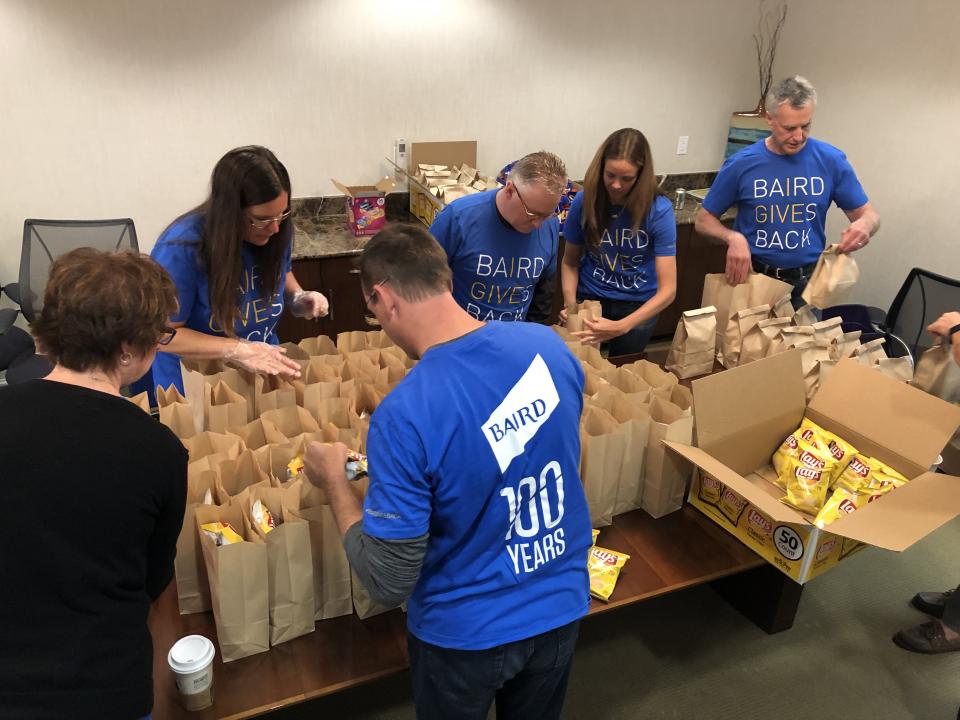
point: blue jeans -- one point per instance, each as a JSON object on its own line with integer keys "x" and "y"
{"x": 527, "y": 678}
{"x": 630, "y": 342}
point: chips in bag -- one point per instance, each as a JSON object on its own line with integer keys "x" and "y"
{"x": 604, "y": 566}
{"x": 595, "y": 533}
{"x": 840, "y": 449}
{"x": 262, "y": 517}
{"x": 294, "y": 467}
{"x": 841, "y": 502}
{"x": 884, "y": 478}
{"x": 790, "y": 448}
{"x": 221, "y": 533}
{"x": 856, "y": 475}
{"x": 356, "y": 465}
{"x": 806, "y": 486}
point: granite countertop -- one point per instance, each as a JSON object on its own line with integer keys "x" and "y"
{"x": 320, "y": 223}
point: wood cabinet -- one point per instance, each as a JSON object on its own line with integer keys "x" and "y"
{"x": 697, "y": 255}
{"x": 338, "y": 278}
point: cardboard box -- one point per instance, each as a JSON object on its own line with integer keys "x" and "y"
{"x": 423, "y": 203}
{"x": 366, "y": 206}
{"x": 741, "y": 417}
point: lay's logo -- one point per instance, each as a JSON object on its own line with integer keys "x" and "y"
{"x": 808, "y": 473}
{"x": 811, "y": 460}
{"x": 825, "y": 549}
{"x": 710, "y": 483}
{"x": 791, "y": 442}
{"x": 859, "y": 467}
{"x": 605, "y": 557}
{"x": 846, "y": 506}
{"x": 758, "y": 520}
{"x": 836, "y": 450}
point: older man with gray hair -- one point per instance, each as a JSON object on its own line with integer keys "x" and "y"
{"x": 502, "y": 245}
{"x": 783, "y": 186}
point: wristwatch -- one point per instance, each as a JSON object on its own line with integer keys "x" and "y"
{"x": 952, "y": 330}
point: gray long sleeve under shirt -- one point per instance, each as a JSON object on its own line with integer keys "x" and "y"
{"x": 389, "y": 569}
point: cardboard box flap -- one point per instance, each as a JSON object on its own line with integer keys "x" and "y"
{"x": 443, "y": 153}
{"x": 743, "y": 414}
{"x": 907, "y": 421}
{"x": 733, "y": 480}
{"x": 387, "y": 184}
{"x": 920, "y": 507}
{"x": 359, "y": 190}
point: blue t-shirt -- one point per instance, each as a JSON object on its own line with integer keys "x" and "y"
{"x": 489, "y": 468}
{"x": 625, "y": 268}
{"x": 783, "y": 199}
{"x": 178, "y": 251}
{"x": 495, "y": 268}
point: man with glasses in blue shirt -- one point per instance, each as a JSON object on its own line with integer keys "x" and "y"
{"x": 502, "y": 245}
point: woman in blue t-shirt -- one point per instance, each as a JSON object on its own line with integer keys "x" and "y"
{"x": 628, "y": 230}
{"x": 230, "y": 260}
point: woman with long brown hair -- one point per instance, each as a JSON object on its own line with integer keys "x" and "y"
{"x": 230, "y": 260}
{"x": 621, "y": 245}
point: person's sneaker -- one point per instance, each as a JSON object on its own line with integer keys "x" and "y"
{"x": 931, "y": 602}
{"x": 927, "y": 638}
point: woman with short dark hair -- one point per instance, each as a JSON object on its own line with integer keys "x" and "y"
{"x": 621, "y": 245}
{"x": 230, "y": 260}
{"x": 95, "y": 492}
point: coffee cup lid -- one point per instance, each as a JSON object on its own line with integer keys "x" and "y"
{"x": 190, "y": 653}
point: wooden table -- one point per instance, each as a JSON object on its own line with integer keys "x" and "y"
{"x": 677, "y": 551}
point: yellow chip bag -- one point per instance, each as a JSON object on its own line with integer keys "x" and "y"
{"x": 790, "y": 448}
{"x": 883, "y": 478}
{"x": 841, "y": 502}
{"x": 839, "y": 449}
{"x": 806, "y": 486}
{"x": 604, "y": 566}
{"x": 294, "y": 467}
{"x": 221, "y": 533}
{"x": 595, "y": 533}
{"x": 262, "y": 517}
{"x": 856, "y": 475}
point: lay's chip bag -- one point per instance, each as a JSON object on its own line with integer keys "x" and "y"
{"x": 884, "y": 478}
{"x": 839, "y": 449}
{"x": 806, "y": 486}
{"x": 856, "y": 475}
{"x": 790, "y": 448}
{"x": 841, "y": 502}
{"x": 604, "y": 566}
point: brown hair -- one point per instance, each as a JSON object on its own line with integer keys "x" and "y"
{"x": 625, "y": 144}
{"x": 96, "y": 300}
{"x": 245, "y": 176}
{"x": 409, "y": 258}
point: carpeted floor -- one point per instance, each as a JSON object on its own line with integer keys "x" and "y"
{"x": 689, "y": 655}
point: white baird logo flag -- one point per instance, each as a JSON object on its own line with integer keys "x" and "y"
{"x": 524, "y": 410}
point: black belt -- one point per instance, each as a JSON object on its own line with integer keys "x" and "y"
{"x": 784, "y": 273}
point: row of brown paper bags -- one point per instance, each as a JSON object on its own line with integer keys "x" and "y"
{"x": 273, "y": 588}
{"x": 628, "y": 412}
{"x": 360, "y": 365}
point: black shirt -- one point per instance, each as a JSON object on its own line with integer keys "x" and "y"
{"x": 92, "y": 492}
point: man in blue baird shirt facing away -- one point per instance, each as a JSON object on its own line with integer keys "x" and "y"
{"x": 783, "y": 186}
{"x": 475, "y": 512}
{"x": 502, "y": 245}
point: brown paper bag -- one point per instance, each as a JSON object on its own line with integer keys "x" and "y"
{"x": 331, "y": 571}
{"x": 938, "y": 374}
{"x": 845, "y": 345}
{"x": 827, "y": 329}
{"x": 666, "y": 474}
{"x": 794, "y": 336}
{"x": 238, "y": 586}
{"x": 737, "y": 328}
{"x": 180, "y": 418}
{"x": 224, "y": 408}
{"x": 870, "y": 353}
{"x": 694, "y": 343}
{"x": 589, "y": 355}
{"x": 233, "y": 476}
{"x": 564, "y": 334}
{"x": 257, "y": 434}
{"x": 804, "y": 316}
{"x": 782, "y": 308}
{"x": 812, "y": 353}
{"x": 832, "y": 280}
{"x": 168, "y": 396}
{"x": 291, "y": 421}
{"x": 771, "y": 329}
{"x": 730, "y": 299}
{"x": 273, "y": 392}
{"x": 193, "y": 590}
{"x": 319, "y": 345}
{"x": 601, "y": 458}
{"x": 897, "y": 368}
{"x": 634, "y": 424}
{"x": 682, "y": 398}
{"x": 289, "y": 562}
{"x": 207, "y": 443}
{"x": 651, "y": 373}
{"x": 142, "y": 401}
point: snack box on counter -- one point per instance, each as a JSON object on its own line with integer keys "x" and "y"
{"x": 741, "y": 417}
{"x": 366, "y": 206}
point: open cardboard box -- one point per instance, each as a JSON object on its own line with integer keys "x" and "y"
{"x": 741, "y": 417}
{"x": 366, "y": 205}
{"x": 423, "y": 203}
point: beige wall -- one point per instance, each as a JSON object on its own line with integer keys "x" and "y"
{"x": 116, "y": 108}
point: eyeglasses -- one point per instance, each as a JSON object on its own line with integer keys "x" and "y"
{"x": 373, "y": 292}
{"x": 264, "y": 223}
{"x": 167, "y": 336}
{"x": 538, "y": 216}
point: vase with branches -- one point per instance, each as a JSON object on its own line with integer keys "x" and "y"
{"x": 765, "y": 39}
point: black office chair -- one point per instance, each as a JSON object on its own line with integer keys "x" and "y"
{"x": 45, "y": 240}
{"x": 923, "y": 297}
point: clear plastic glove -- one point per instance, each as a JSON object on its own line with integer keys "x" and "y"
{"x": 309, "y": 304}
{"x": 262, "y": 358}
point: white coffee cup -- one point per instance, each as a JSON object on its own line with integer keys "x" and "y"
{"x": 191, "y": 659}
